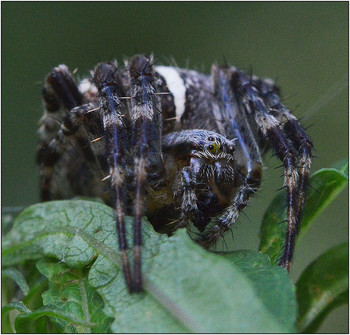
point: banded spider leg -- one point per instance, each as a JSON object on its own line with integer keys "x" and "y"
{"x": 254, "y": 114}
{"x": 109, "y": 118}
{"x": 303, "y": 144}
{"x": 146, "y": 125}
{"x": 134, "y": 160}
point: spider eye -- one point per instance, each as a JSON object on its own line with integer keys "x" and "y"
{"x": 213, "y": 148}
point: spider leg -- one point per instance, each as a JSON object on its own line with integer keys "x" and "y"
{"x": 75, "y": 126}
{"x": 181, "y": 146}
{"x": 83, "y": 128}
{"x": 305, "y": 147}
{"x": 295, "y": 132}
{"x": 48, "y": 155}
{"x": 247, "y": 155}
{"x": 187, "y": 192}
{"x": 60, "y": 93}
{"x": 302, "y": 143}
{"x": 146, "y": 125}
{"x": 115, "y": 125}
{"x": 285, "y": 150}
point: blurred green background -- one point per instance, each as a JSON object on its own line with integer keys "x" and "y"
{"x": 304, "y": 45}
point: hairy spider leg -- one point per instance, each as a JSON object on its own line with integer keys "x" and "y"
{"x": 146, "y": 125}
{"x": 60, "y": 93}
{"x": 233, "y": 124}
{"x": 188, "y": 196}
{"x": 75, "y": 126}
{"x": 284, "y": 149}
{"x": 116, "y": 140}
{"x": 302, "y": 143}
{"x": 72, "y": 133}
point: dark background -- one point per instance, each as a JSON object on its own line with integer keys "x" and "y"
{"x": 304, "y": 45}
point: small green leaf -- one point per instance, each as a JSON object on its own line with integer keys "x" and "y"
{"x": 7, "y": 320}
{"x": 70, "y": 291}
{"x": 16, "y": 276}
{"x": 7, "y": 324}
{"x": 16, "y": 305}
{"x": 187, "y": 289}
{"x": 326, "y": 185}
{"x": 322, "y": 287}
{"x": 26, "y": 322}
{"x": 33, "y": 300}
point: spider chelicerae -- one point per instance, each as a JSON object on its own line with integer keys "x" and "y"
{"x": 173, "y": 144}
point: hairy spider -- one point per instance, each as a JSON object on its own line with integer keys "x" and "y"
{"x": 173, "y": 144}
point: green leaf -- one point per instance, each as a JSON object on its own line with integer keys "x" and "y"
{"x": 16, "y": 305}
{"x": 70, "y": 291}
{"x": 211, "y": 295}
{"x": 322, "y": 287}
{"x": 6, "y": 320}
{"x": 326, "y": 185}
{"x": 33, "y": 300}
{"x": 26, "y": 322}
{"x": 10, "y": 278}
{"x": 269, "y": 282}
{"x": 187, "y": 289}
{"x": 18, "y": 277}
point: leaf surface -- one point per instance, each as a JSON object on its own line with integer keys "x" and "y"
{"x": 18, "y": 277}
{"x": 70, "y": 291}
{"x": 270, "y": 281}
{"x": 187, "y": 289}
{"x": 32, "y": 322}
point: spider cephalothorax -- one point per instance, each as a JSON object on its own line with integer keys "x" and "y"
{"x": 172, "y": 144}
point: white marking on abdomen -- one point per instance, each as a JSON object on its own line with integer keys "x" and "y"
{"x": 86, "y": 86}
{"x": 176, "y": 86}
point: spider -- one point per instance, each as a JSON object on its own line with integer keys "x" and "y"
{"x": 173, "y": 144}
